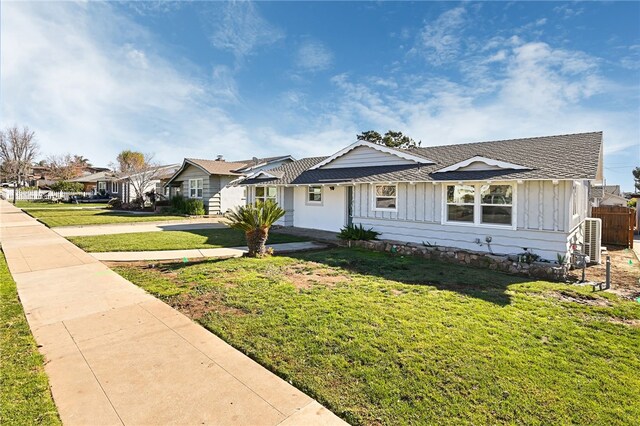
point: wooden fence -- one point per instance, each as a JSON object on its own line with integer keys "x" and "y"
{"x": 617, "y": 224}
{"x": 40, "y": 194}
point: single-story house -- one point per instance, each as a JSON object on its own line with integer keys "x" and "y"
{"x": 608, "y": 195}
{"x": 498, "y": 196}
{"x": 104, "y": 182}
{"x": 212, "y": 180}
{"x": 119, "y": 186}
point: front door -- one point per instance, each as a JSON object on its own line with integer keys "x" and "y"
{"x": 349, "y": 205}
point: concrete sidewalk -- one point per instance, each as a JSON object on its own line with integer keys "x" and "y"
{"x": 219, "y": 253}
{"x": 116, "y": 355}
{"x": 127, "y": 228}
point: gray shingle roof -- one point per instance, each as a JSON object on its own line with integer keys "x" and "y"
{"x": 574, "y": 156}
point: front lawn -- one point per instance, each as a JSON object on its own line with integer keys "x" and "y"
{"x": 35, "y": 205}
{"x": 391, "y": 340}
{"x": 25, "y": 398}
{"x": 173, "y": 240}
{"x": 62, "y": 217}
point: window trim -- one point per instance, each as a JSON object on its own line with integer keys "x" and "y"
{"x": 98, "y": 189}
{"x": 477, "y": 211}
{"x": 474, "y": 204}
{"x": 311, "y": 202}
{"x": 374, "y": 198}
{"x": 196, "y": 188}
{"x": 114, "y": 187}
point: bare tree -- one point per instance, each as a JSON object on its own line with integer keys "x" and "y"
{"x": 18, "y": 149}
{"x": 65, "y": 167}
{"x": 138, "y": 170}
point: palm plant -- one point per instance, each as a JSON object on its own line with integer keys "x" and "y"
{"x": 255, "y": 220}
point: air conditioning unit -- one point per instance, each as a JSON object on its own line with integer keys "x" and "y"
{"x": 592, "y": 228}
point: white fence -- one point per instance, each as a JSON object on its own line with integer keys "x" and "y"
{"x": 40, "y": 194}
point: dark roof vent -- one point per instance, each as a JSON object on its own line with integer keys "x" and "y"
{"x": 219, "y": 158}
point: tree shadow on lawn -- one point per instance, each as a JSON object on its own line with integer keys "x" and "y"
{"x": 479, "y": 283}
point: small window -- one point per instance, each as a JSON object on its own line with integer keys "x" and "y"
{"x": 195, "y": 188}
{"x": 102, "y": 186}
{"x": 496, "y": 202}
{"x": 385, "y": 197}
{"x": 264, "y": 193}
{"x": 315, "y": 194}
{"x": 460, "y": 203}
{"x": 114, "y": 187}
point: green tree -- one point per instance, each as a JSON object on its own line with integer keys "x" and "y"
{"x": 636, "y": 178}
{"x": 391, "y": 139}
{"x": 255, "y": 220}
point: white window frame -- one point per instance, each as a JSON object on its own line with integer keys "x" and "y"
{"x": 195, "y": 188}
{"x": 314, "y": 202}
{"x": 474, "y": 204}
{"x": 101, "y": 183}
{"x": 374, "y": 197}
{"x": 114, "y": 187}
{"x": 477, "y": 210}
{"x": 266, "y": 191}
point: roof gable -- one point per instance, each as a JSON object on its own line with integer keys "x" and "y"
{"x": 480, "y": 163}
{"x": 367, "y": 154}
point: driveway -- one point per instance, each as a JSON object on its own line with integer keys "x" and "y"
{"x": 116, "y": 355}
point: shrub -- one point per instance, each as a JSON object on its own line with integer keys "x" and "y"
{"x": 255, "y": 220}
{"x": 116, "y": 203}
{"x": 357, "y": 232}
{"x": 178, "y": 203}
{"x": 66, "y": 186}
{"x": 193, "y": 207}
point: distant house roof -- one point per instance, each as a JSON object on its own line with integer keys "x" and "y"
{"x": 575, "y": 156}
{"x": 94, "y": 177}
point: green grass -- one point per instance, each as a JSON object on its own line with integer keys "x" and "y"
{"x": 62, "y": 217}
{"x": 391, "y": 340}
{"x": 31, "y": 205}
{"x": 25, "y": 398}
{"x": 172, "y": 240}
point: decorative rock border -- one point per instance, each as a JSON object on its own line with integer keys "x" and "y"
{"x": 502, "y": 263}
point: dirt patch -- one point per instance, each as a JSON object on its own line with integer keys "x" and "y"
{"x": 304, "y": 276}
{"x": 629, "y": 322}
{"x": 625, "y": 273}
{"x": 197, "y": 306}
{"x": 582, "y": 299}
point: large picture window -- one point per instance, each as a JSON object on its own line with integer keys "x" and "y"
{"x": 496, "y": 203}
{"x": 102, "y": 186}
{"x": 195, "y": 188}
{"x": 264, "y": 193}
{"x": 461, "y": 203}
{"x": 480, "y": 204}
{"x": 385, "y": 197}
{"x": 314, "y": 196}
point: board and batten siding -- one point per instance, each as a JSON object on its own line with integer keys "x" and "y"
{"x": 541, "y": 209}
{"x": 363, "y": 156}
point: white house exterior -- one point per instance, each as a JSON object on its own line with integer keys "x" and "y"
{"x": 499, "y": 196}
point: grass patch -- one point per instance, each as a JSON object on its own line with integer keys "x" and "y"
{"x": 172, "y": 240}
{"x": 25, "y": 398}
{"x": 61, "y": 217}
{"x": 382, "y": 339}
{"x": 34, "y": 205}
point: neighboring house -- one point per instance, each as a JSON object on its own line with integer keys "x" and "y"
{"x": 212, "y": 180}
{"x": 499, "y": 196}
{"x": 105, "y": 182}
{"x": 126, "y": 190}
{"x": 608, "y": 195}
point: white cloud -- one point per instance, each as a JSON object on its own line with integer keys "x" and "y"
{"x": 313, "y": 56}
{"x": 224, "y": 86}
{"x": 440, "y": 41}
{"x": 238, "y": 27}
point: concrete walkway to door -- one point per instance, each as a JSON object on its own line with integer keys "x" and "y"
{"x": 116, "y": 355}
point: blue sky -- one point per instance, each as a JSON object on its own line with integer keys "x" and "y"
{"x": 242, "y": 79}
